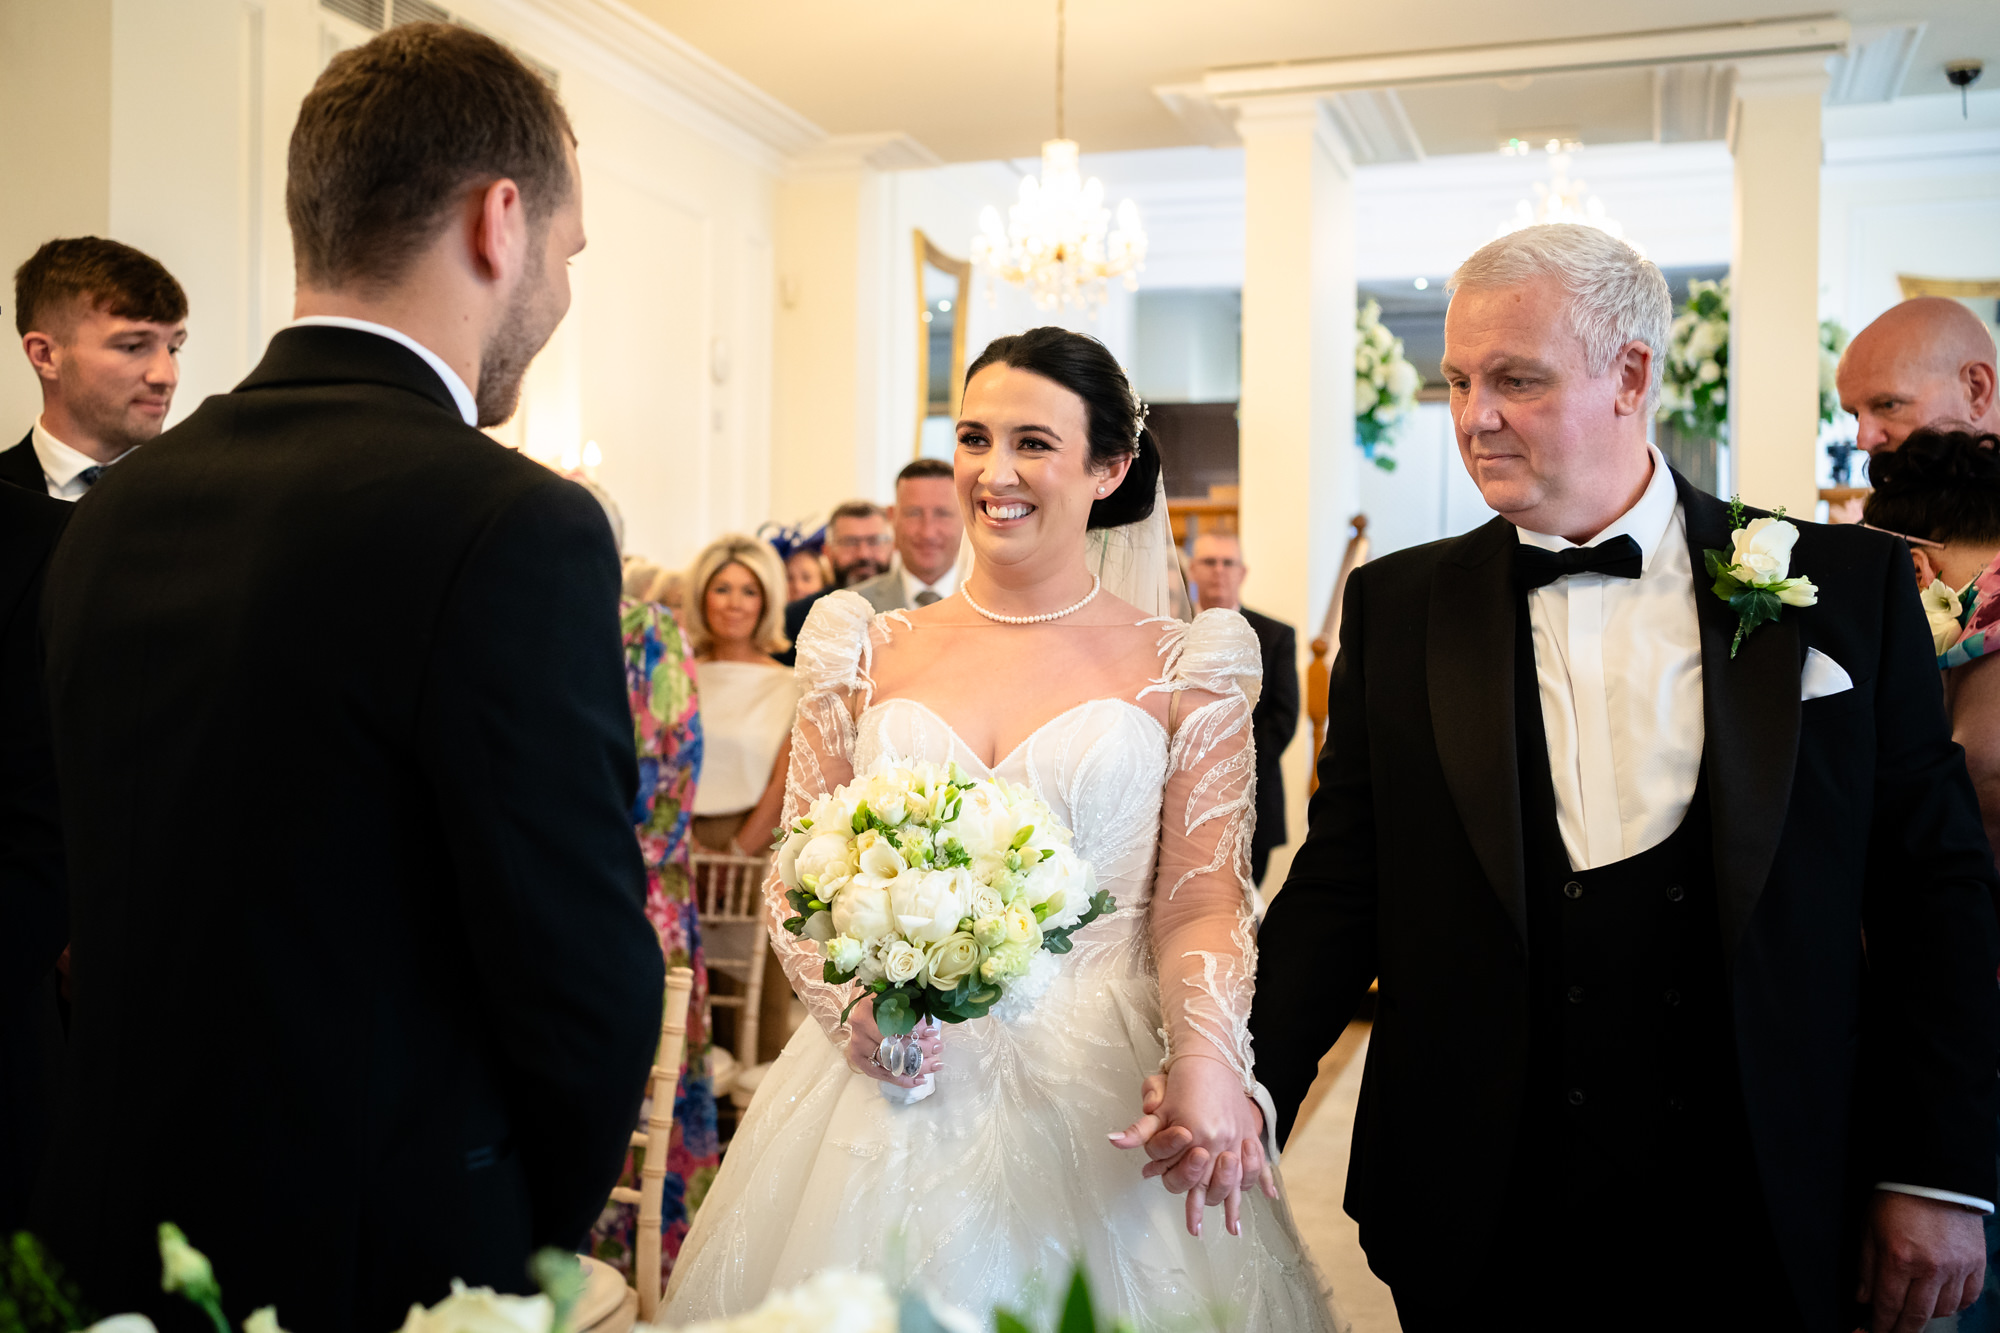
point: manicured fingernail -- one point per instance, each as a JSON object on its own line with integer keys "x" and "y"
{"x": 1197, "y": 1228}
{"x": 1235, "y": 1228}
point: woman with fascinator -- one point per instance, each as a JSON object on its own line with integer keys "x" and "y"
{"x": 1057, "y": 666}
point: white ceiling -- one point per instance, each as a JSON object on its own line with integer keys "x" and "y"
{"x": 974, "y": 82}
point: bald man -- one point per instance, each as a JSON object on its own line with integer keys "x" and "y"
{"x": 1923, "y": 361}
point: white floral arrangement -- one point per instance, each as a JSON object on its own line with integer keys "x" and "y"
{"x": 937, "y": 893}
{"x": 839, "y": 1302}
{"x": 1385, "y": 385}
{"x": 1694, "y": 382}
{"x": 1832, "y": 342}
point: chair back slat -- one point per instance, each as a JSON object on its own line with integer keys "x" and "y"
{"x": 659, "y": 1128}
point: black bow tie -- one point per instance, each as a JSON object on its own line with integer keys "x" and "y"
{"x": 1620, "y": 558}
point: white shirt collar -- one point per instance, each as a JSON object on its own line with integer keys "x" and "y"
{"x": 460, "y": 395}
{"x": 946, "y": 585}
{"x": 60, "y": 463}
{"x": 1646, "y": 522}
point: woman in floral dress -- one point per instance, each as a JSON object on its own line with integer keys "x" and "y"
{"x": 659, "y": 676}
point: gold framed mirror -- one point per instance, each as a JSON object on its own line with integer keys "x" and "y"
{"x": 944, "y": 285}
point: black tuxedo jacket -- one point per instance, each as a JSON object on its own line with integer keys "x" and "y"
{"x": 20, "y": 467}
{"x": 1846, "y": 813}
{"x": 1273, "y": 724}
{"x": 365, "y": 998}
{"x": 34, "y": 917}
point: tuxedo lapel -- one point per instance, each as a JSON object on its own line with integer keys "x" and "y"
{"x": 1469, "y": 674}
{"x": 1750, "y": 716}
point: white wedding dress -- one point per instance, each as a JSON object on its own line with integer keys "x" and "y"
{"x": 1005, "y": 1175}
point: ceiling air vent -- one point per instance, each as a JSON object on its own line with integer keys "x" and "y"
{"x": 370, "y": 14}
{"x": 417, "y": 11}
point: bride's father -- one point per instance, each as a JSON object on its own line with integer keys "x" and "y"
{"x": 364, "y": 995}
{"x": 1687, "y": 960}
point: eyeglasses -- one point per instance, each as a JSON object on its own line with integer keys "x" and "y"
{"x": 1914, "y": 541}
{"x": 878, "y": 541}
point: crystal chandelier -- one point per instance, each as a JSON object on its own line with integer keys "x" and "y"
{"x": 1058, "y": 241}
{"x": 1561, "y": 199}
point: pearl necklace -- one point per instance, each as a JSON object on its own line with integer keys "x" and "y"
{"x": 1096, "y": 585}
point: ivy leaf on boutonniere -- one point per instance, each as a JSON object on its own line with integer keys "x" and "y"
{"x": 1754, "y": 576}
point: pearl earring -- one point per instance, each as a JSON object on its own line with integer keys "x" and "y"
{"x": 1100, "y": 490}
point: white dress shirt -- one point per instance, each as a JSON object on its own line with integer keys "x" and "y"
{"x": 62, "y": 466}
{"x": 460, "y": 395}
{"x": 946, "y": 585}
{"x": 1618, "y": 664}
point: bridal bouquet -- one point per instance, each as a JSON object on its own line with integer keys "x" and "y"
{"x": 936, "y": 892}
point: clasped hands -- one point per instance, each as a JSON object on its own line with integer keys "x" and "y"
{"x": 1203, "y": 1137}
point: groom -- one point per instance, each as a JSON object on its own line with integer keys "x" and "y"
{"x": 1687, "y": 1013}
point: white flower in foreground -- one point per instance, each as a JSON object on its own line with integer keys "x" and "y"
{"x": 1942, "y": 608}
{"x": 182, "y": 1267}
{"x": 929, "y": 906}
{"x": 123, "y": 1323}
{"x": 901, "y": 962}
{"x": 263, "y": 1320}
{"x": 861, "y": 911}
{"x": 830, "y": 1303}
{"x": 482, "y": 1310}
{"x": 1798, "y": 592}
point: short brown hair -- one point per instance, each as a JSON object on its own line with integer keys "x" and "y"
{"x": 857, "y": 509}
{"x": 97, "y": 274}
{"x": 396, "y": 130}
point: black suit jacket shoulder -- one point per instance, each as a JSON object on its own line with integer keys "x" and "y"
{"x": 1274, "y": 722}
{"x": 1832, "y": 817}
{"x": 342, "y": 733}
{"x": 20, "y": 466}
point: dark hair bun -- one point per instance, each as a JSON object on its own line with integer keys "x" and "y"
{"x": 1085, "y": 366}
{"x": 1941, "y": 483}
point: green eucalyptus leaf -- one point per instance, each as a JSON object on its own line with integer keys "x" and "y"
{"x": 894, "y": 1014}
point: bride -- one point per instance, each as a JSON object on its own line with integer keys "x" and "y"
{"x": 1135, "y": 729}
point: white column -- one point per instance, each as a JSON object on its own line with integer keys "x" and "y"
{"x": 1774, "y": 134}
{"x": 1300, "y": 471}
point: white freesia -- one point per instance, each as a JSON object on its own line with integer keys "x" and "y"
{"x": 1797, "y": 592}
{"x": 929, "y": 905}
{"x": 845, "y": 952}
{"x": 878, "y": 856}
{"x": 482, "y": 1310}
{"x": 1763, "y": 550}
{"x": 1942, "y": 607}
{"x": 264, "y": 1319}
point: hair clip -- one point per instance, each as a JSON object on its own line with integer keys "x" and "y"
{"x": 1139, "y": 427}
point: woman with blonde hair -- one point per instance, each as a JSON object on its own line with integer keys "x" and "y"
{"x": 734, "y": 614}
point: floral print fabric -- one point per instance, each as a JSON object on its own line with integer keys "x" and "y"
{"x": 1979, "y": 614}
{"x": 666, "y": 732}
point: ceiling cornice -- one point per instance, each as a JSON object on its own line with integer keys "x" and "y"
{"x": 1818, "y": 35}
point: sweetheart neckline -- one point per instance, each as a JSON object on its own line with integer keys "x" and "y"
{"x": 1024, "y": 742}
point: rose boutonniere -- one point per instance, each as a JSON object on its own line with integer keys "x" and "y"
{"x": 1754, "y": 575}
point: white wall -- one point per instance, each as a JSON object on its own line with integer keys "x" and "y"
{"x": 176, "y": 115}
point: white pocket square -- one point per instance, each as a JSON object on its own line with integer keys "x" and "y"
{"x": 1822, "y": 676}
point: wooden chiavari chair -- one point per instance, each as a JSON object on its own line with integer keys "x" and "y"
{"x": 609, "y": 1308}
{"x": 729, "y": 901}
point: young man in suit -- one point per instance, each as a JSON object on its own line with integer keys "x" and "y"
{"x": 342, "y": 735}
{"x": 1686, "y": 948}
{"x": 1218, "y": 572}
{"x": 928, "y": 528}
{"x": 102, "y": 325}
{"x": 34, "y": 914}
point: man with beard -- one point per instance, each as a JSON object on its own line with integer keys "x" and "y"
{"x": 340, "y": 726}
{"x": 102, "y": 325}
{"x": 859, "y": 544}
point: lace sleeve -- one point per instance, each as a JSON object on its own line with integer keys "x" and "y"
{"x": 1204, "y": 906}
{"x": 833, "y": 661}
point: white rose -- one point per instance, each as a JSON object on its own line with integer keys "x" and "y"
{"x": 1709, "y": 373}
{"x": 901, "y": 962}
{"x": 861, "y": 911}
{"x": 845, "y": 953}
{"x": 1763, "y": 550}
{"x": 929, "y": 905}
{"x": 877, "y": 856}
{"x": 952, "y": 959}
{"x": 1365, "y": 396}
{"x": 1022, "y": 928}
{"x": 481, "y": 1310}
{"x": 1403, "y": 379}
{"x": 985, "y": 901}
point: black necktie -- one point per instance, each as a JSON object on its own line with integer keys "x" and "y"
{"x": 89, "y": 476}
{"x": 1620, "y": 558}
